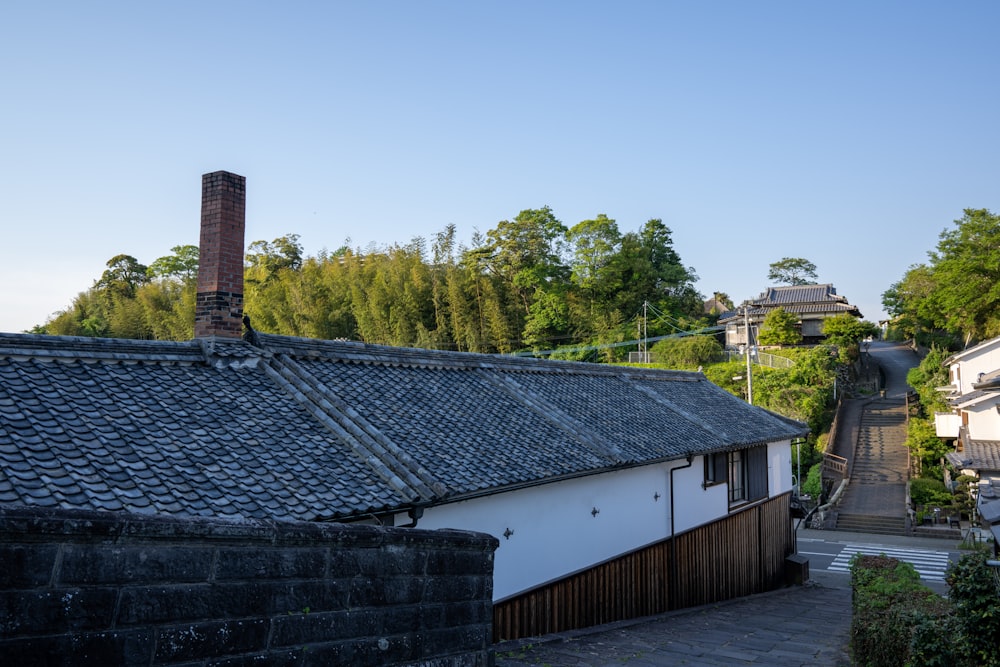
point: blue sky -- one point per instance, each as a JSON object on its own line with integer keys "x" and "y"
{"x": 847, "y": 133}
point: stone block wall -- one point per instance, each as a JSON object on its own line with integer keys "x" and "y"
{"x": 92, "y": 588}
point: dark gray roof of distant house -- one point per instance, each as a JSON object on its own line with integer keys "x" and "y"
{"x": 989, "y": 503}
{"x": 979, "y": 455}
{"x": 799, "y": 299}
{"x": 311, "y": 430}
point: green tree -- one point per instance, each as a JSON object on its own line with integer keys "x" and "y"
{"x": 780, "y": 328}
{"x": 547, "y": 320}
{"x": 86, "y": 316}
{"x": 648, "y": 268}
{"x": 594, "y": 243}
{"x": 957, "y": 294}
{"x": 966, "y": 267}
{"x": 182, "y": 265}
{"x": 846, "y": 332}
{"x": 813, "y": 483}
{"x": 123, "y": 276}
{"x": 266, "y": 259}
{"x": 792, "y": 271}
{"x": 913, "y": 304}
{"x": 525, "y": 252}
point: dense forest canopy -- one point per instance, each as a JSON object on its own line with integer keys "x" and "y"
{"x": 954, "y": 298}
{"x": 528, "y": 283}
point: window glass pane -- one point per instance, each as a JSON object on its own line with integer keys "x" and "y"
{"x": 737, "y": 486}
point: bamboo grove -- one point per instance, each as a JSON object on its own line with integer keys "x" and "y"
{"x": 528, "y": 283}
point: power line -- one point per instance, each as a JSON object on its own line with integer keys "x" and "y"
{"x": 586, "y": 348}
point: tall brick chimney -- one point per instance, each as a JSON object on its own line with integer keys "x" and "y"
{"x": 219, "y": 304}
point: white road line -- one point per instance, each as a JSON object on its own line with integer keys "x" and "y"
{"x": 929, "y": 565}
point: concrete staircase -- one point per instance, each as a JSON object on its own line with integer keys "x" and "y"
{"x": 875, "y": 499}
{"x": 870, "y": 523}
{"x": 880, "y": 456}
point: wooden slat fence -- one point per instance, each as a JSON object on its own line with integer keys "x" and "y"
{"x": 738, "y": 555}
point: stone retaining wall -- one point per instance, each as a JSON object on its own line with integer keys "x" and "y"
{"x": 90, "y": 588}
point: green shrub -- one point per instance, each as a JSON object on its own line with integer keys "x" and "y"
{"x": 687, "y": 352}
{"x": 813, "y": 484}
{"x": 928, "y": 491}
{"x": 893, "y": 613}
{"x": 976, "y": 596}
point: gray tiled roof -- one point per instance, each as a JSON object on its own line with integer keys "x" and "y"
{"x": 309, "y": 430}
{"x": 791, "y": 294}
{"x": 980, "y": 455}
{"x": 798, "y": 299}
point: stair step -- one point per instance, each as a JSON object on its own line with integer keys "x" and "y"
{"x": 868, "y": 523}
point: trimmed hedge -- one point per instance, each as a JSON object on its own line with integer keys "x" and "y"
{"x": 896, "y": 618}
{"x": 899, "y": 621}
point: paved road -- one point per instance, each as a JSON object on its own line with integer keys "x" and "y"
{"x": 896, "y": 360}
{"x": 803, "y": 625}
{"x": 829, "y": 553}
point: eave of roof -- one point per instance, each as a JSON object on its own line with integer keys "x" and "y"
{"x": 978, "y": 455}
{"x": 972, "y": 351}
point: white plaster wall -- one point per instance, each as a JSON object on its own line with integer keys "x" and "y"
{"x": 946, "y": 424}
{"x": 984, "y": 421}
{"x": 554, "y": 532}
{"x": 985, "y": 360}
{"x": 779, "y": 464}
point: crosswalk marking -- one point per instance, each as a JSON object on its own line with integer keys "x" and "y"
{"x": 930, "y": 565}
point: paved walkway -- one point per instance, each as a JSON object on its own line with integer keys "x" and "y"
{"x": 805, "y": 625}
{"x": 798, "y": 626}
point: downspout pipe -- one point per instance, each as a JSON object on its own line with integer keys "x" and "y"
{"x": 672, "y": 597}
{"x": 415, "y": 513}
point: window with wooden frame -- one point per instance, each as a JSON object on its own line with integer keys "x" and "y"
{"x": 744, "y": 470}
{"x": 715, "y": 469}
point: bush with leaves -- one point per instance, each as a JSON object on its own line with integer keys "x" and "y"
{"x": 687, "y": 352}
{"x": 925, "y": 378}
{"x": 890, "y": 605}
{"x": 975, "y": 593}
{"x": 929, "y": 491}
{"x": 813, "y": 485}
{"x": 926, "y": 447}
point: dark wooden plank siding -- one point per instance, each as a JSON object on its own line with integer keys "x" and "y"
{"x": 741, "y": 554}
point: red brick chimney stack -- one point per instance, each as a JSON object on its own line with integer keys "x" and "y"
{"x": 219, "y": 304}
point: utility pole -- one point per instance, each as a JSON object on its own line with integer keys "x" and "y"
{"x": 645, "y": 341}
{"x": 746, "y": 324}
{"x": 643, "y": 344}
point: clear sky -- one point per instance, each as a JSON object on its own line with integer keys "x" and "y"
{"x": 847, "y": 133}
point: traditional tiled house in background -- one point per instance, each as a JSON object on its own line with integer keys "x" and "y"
{"x": 580, "y": 470}
{"x": 811, "y": 303}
